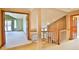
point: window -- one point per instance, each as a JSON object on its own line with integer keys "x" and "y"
{"x": 8, "y": 25}
{"x": 15, "y": 26}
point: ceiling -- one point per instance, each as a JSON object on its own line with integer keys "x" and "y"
{"x": 15, "y": 15}
{"x": 62, "y": 9}
{"x": 68, "y": 9}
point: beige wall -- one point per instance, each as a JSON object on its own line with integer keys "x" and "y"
{"x": 41, "y": 17}
{"x": 44, "y": 16}
{"x": 60, "y": 23}
{"x": 36, "y": 21}
{"x": 48, "y": 15}
{"x": 68, "y": 26}
{"x": 57, "y": 26}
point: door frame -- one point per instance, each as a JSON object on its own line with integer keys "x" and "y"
{"x": 3, "y": 24}
{"x": 71, "y": 31}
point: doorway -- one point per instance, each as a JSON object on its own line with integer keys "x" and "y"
{"x": 77, "y": 25}
{"x": 74, "y": 27}
{"x": 16, "y": 29}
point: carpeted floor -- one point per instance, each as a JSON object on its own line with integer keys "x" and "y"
{"x": 15, "y": 38}
{"x": 44, "y": 45}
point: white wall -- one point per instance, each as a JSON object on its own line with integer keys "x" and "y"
{"x": 78, "y": 27}
{"x": 25, "y": 24}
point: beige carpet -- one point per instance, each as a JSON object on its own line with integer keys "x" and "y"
{"x": 44, "y": 45}
{"x": 16, "y": 38}
{"x": 67, "y": 45}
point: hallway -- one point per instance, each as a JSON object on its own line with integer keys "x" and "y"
{"x": 57, "y": 23}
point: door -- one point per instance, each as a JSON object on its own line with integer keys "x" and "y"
{"x": 8, "y": 27}
{"x": 73, "y": 27}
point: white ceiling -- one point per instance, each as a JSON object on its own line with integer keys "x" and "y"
{"x": 62, "y": 9}
{"x": 68, "y": 9}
